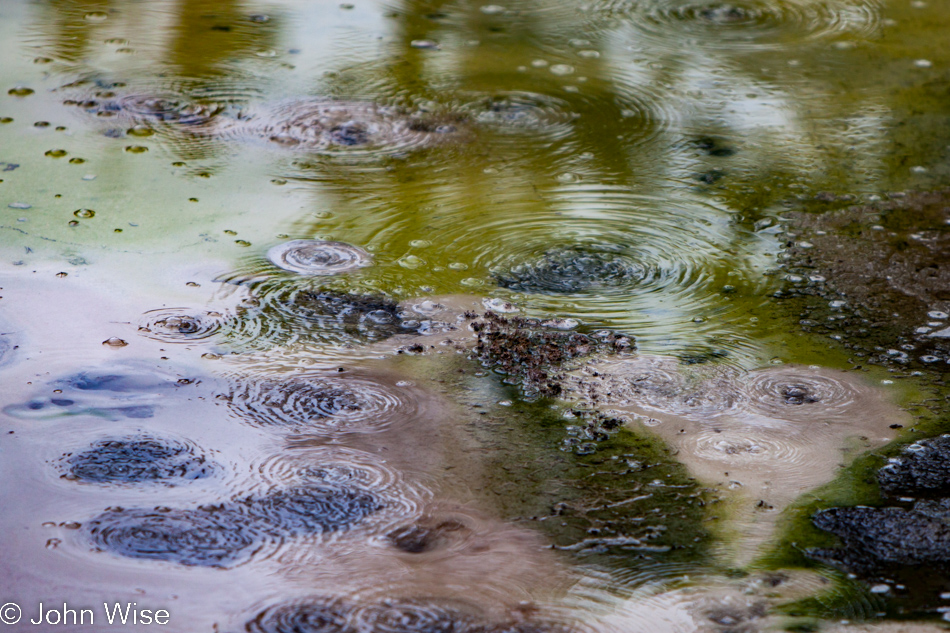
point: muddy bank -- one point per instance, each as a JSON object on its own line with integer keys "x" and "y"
{"x": 875, "y": 277}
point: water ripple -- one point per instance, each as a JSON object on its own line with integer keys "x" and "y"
{"x": 318, "y": 257}
{"x": 181, "y": 325}
{"x": 744, "y": 24}
{"x": 325, "y": 403}
{"x": 137, "y": 460}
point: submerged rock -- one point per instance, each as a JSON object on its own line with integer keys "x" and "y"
{"x": 137, "y": 460}
{"x": 207, "y": 538}
{"x": 415, "y": 615}
{"x": 230, "y": 533}
{"x": 922, "y": 470}
{"x": 311, "y": 509}
{"x": 881, "y": 274}
{"x": 310, "y": 124}
{"x": 572, "y": 270}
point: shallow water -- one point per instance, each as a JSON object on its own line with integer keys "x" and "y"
{"x": 246, "y": 249}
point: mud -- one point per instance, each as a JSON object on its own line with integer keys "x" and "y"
{"x": 533, "y": 353}
{"x": 875, "y": 277}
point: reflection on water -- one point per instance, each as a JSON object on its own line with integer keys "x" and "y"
{"x": 290, "y": 219}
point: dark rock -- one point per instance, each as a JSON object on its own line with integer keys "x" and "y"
{"x": 923, "y": 469}
{"x": 876, "y": 537}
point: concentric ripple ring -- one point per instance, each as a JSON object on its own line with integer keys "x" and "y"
{"x": 318, "y": 257}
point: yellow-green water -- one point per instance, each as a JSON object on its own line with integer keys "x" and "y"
{"x": 670, "y": 135}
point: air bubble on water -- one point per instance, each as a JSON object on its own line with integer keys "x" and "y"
{"x": 114, "y": 342}
{"x": 472, "y": 282}
{"x": 424, "y": 44}
{"x": 411, "y": 262}
{"x": 278, "y": 181}
{"x": 816, "y": 278}
{"x": 539, "y": 63}
{"x": 504, "y": 403}
{"x": 588, "y": 54}
{"x": 420, "y": 243}
{"x": 89, "y": 177}
{"x": 838, "y": 303}
{"x": 928, "y": 358}
{"x": 136, "y": 149}
{"x": 562, "y": 69}
{"x": 937, "y": 314}
{"x": 96, "y": 16}
{"x": 567, "y": 177}
{"x": 84, "y": 213}
{"x": 7, "y": 119}
{"x": 492, "y": 9}
{"x": 500, "y": 305}
{"x": 458, "y": 266}
{"x": 923, "y": 63}
{"x": 77, "y": 161}
{"x": 20, "y": 91}
{"x": 20, "y": 205}
{"x": 53, "y": 543}
{"x": 805, "y": 245}
{"x": 140, "y": 131}
{"x": 242, "y": 243}
{"x": 56, "y": 153}
{"x": 578, "y": 43}
{"x": 880, "y": 589}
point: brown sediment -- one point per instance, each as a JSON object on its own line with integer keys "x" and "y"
{"x": 882, "y": 272}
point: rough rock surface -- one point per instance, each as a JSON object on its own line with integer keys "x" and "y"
{"x": 923, "y": 470}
